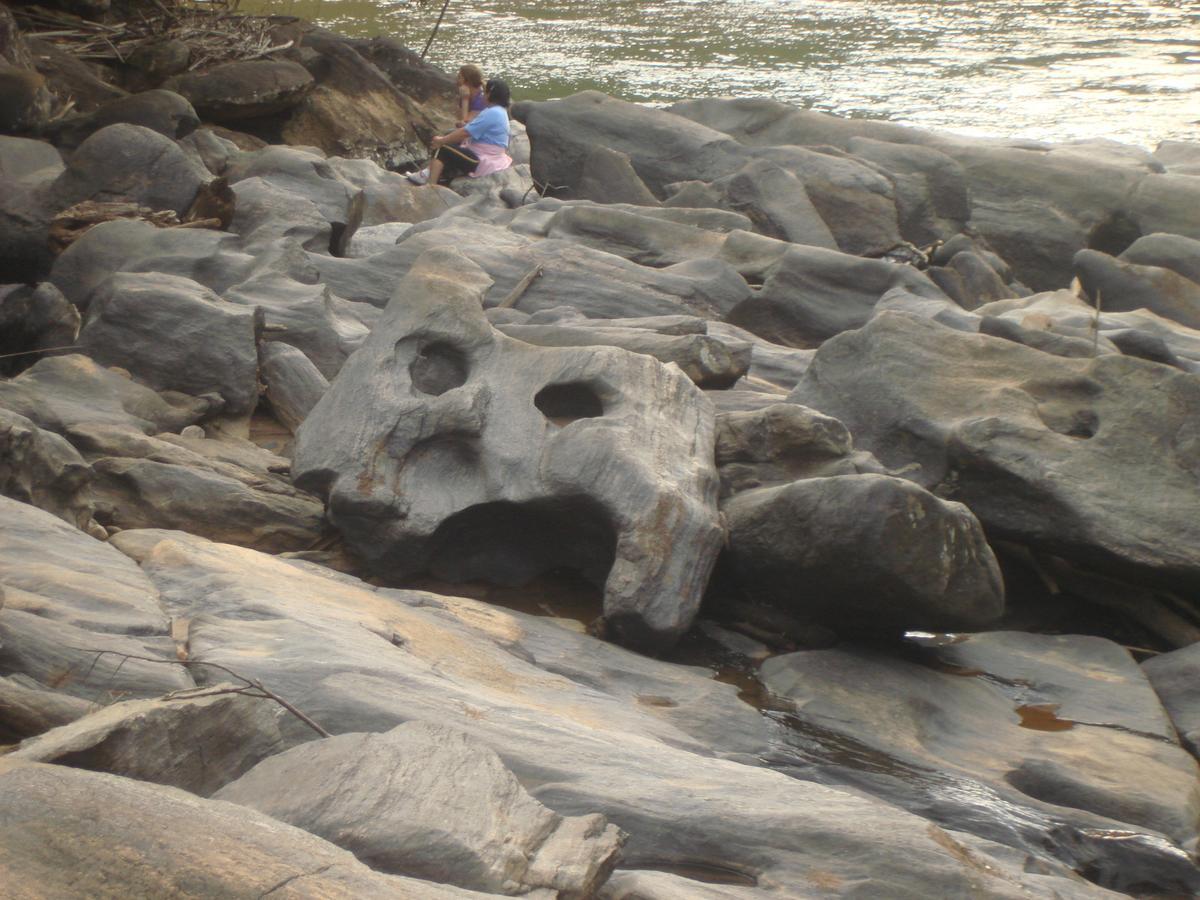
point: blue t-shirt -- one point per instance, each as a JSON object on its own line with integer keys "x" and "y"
{"x": 490, "y": 126}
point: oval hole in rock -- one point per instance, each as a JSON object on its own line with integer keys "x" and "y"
{"x": 439, "y": 367}
{"x": 566, "y": 403}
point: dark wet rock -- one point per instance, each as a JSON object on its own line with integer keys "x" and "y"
{"x": 420, "y": 479}
{"x": 129, "y": 162}
{"x": 55, "y": 571}
{"x": 706, "y": 361}
{"x": 615, "y": 733}
{"x": 816, "y": 293}
{"x": 89, "y": 85}
{"x": 427, "y": 801}
{"x": 932, "y": 198}
{"x": 212, "y": 258}
{"x": 864, "y": 553}
{"x": 1166, "y": 251}
{"x": 1123, "y": 286}
{"x": 1174, "y": 677}
{"x": 248, "y": 89}
{"x": 32, "y": 319}
{"x": 164, "y": 112}
{"x": 772, "y": 366}
{"x": 1025, "y": 715}
{"x": 155, "y": 61}
{"x": 781, "y": 443}
{"x": 174, "y": 334}
{"x": 405, "y": 69}
{"x": 98, "y": 667}
{"x": 294, "y": 384}
{"x": 198, "y": 741}
{"x": 27, "y": 170}
{"x": 1112, "y": 430}
{"x": 609, "y": 177}
{"x": 201, "y": 486}
{"x": 119, "y": 837}
{"x": 62, "y": 391}
{"x": 40, "y": 468}
{"x": 28, "y": 708}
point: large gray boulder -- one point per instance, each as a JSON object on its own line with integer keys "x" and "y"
{"x": 588, "y": 727}
{"x": 28, "y": 168}
{"x": 427, "y": 801}
{"x": 1122, "y": 286}
{"x": 445, "y": 446}
{"x": 1064, "y": 720}
{"x": 1176, "y": 679}
{"x": 41, "y": 468}
{"x": 1166, "y": 251}
{"x": 813, "y": 294}
{"x": 54, "y": 570}
{"x": 1094, "y": 460}
{"x": 60, "y": 392}
{"x": 198, "y": 741}
{"x": 164, "y": 112}
{"x": 32, "y": 319}
{"x": 294, "y": 385}
{"x": 174, "y": 334}
{"x": 864, "y": 553}
{"x": 66, "y": 832}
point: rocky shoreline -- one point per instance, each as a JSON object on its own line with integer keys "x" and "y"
{"x": 727, "y": 501}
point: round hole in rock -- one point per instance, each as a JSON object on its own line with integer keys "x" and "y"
{"x": 513, "y": 543}
{"x": 438, "y": 367}
{"x": 566, "y": 403}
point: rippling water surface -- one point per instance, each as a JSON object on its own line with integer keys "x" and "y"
{"x": 1051, "y": 69}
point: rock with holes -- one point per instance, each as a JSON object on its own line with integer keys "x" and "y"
{"x": 1094, "y": 460}
{"x": 427, "y": 801}
{"x": 116, "y": 837}
{"x": 864, "y": 553}
{"x": 444, "y": 446}
{"x": 197, "y": 741}
{"x": 1064, "y": 720}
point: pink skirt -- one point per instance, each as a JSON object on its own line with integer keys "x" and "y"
{"x": 492, "y": 158}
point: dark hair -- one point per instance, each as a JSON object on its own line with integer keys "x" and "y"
{"x": 497, "y": 93}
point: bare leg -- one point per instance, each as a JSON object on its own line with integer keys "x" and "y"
{"x": 435, "y": 169}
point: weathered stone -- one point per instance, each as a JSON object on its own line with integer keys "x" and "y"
{"x": 1166, "y": 251}
{"x": 1089, "y": 459}
{"x": 31, "y": 319}
{"x": 27, "y": 709}
{"x": 1123, "y": 286}
{"x": 265, "y": 213}
{"x": 294, "y": 384}
{"x": 781, "y": 443}
{"x": 60, "y": 392}
{"x": 389, "y": 197}
{"x": 1066, "y": 720}
{"x": 864, "y": 553}
{"x": 66, "y": 576}
{"x": 129, "y": 162}
{"x": 776, "y": 202}
{"x": 1174, "y": 678}
{"x": 26, "y": 101}
{"x": 427, "y": 801}
{"x": 816, "y": 293}
{"x": 40, "y": 468}
{"x": 164, "y": 112}
{"x": 553, "y": 419}
{"x": 608, "y": 177}
{"x": 198, "y": 741}
{"x": 246, "y": 89}
{"x": 69, "y": 832}
{"x": 174, "y": 334}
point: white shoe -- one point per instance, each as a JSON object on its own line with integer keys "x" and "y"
{"x": 421, "y": 177}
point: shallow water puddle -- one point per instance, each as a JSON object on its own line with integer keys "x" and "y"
{"x": 1043, "y": 717}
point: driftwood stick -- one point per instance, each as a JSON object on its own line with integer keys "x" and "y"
{"x": 436, "y": 26}
{"x": 522, "y": 286}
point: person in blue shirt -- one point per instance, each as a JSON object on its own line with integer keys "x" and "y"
{"x": 479, "y": 147}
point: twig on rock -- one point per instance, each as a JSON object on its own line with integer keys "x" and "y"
{"x": 253, "y": 687}
{"x": 522, "y": 286}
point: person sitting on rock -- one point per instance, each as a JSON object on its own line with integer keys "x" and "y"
{"x": 471, "y": 101}
{"x": 478, "y": 148}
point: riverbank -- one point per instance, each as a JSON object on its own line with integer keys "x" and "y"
{"x": 824, "y": 493}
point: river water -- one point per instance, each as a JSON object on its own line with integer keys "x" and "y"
{"x": 1048, "y": 69}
